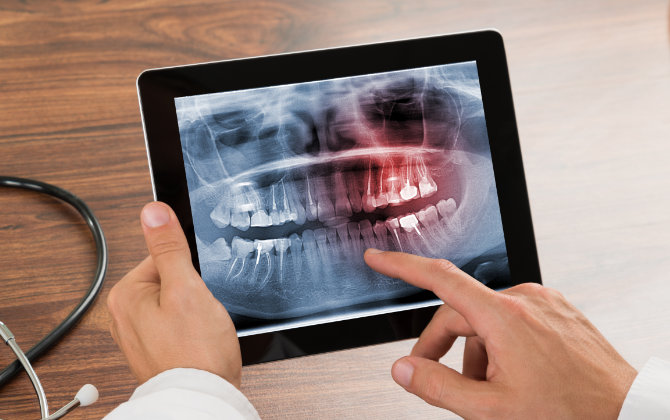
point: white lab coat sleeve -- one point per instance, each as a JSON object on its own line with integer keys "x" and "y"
{"x": 185, "y": 394}
{"x": 649, "y": 396}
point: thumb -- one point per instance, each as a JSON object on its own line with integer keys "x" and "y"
{"x": 442, "y": 386}
{"x": 166, "y": 242}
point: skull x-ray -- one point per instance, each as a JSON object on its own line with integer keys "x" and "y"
{"x": 290, "y": 184}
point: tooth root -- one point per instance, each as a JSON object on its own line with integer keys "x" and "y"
{"x": 286, "y": 214}
{"x": 392, "y": 184}
{"x": 354, "y": 192}
{"x": 296, "y": 255}
{"x": 240, "y": 220}
{"x": 368, "y": 235}
{"x": 260, "y": 219}
{"x": 410, "y": 225}
{"x": 220, "y": 215}
{"x": 296, "y": 206}
{"x": 274, "y": 210}
{"x": 381, "y": 234}
{"x": 430, "y": 221}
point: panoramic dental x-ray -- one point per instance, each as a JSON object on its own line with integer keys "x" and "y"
{"x": 290, "y": 184}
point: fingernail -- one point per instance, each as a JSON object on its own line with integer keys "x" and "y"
{"x": 374, "y": 251}
{"x": 155, "y": 215}
{"x": 402, "y": 373}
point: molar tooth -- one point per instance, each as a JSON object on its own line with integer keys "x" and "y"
{"x": 381, "y": 233}
{"x": 260, "y": 219}
{"x": 217, "y": 251}
{"x": 446, "y": 207}
{"x": 296, "y": 255}
{"x": 342, "y": 205}
{"x": 368, "y": 235}
{"x": 274, "y": 209}
{"x": 408, "y": 191}
{"x": 393, "y": 226}
{"x": 411, "y": 225}
{"x": 265, "y": 259}
{"x": 221, "y": 214}
{"x": 241, "y": 249}
{"x": 427, "y": 185}
{"x": 430, "y": 220}
{"x": 240, "y": 220}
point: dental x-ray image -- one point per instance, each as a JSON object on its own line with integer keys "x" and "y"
{"x": 290, "y": 184}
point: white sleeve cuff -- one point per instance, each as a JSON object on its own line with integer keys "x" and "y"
{"x": 185, "y": 393}
{"x": 649, "y": 396}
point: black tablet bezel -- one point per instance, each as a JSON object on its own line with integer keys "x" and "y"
{"x": 157, "y": 89}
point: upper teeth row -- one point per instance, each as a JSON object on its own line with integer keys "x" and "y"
{"x": 389, "y": 184}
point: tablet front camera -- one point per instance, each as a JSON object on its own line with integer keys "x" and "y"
{"x": 290, "y": 184}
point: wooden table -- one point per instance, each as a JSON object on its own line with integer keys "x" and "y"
{"x": 591, "y": 82}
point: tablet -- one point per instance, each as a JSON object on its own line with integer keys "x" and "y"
{"x": 283, "y": 169}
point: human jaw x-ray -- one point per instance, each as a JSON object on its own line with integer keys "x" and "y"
{"x": 290, "y": 184}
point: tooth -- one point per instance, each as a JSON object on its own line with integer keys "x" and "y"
{"x": 321, "y": 242}
{"x": 260, "y": 219}
{"x": 281, "y": 246}
{"x": 311, "y": 252}
{"x": 241, "y": 249}
{"x": 446, "y": 207}
{"x": 354, "y": 192}
{"x": 310, "y": 201}
{"x": 427, "y": 186}
{"x": 296, "y": 255}
{"x": 369, "y": 203}
{"x": 342, "y": 206}
{"x": 343, "y": 234}
{"x": 332, "y": 241}
{"x": 221, "y": 214}
{"x": 447, "y": 210}
{"x": 264, "y": 258}
{"x": 324, "y": 204}
{"x": 245, "y": 198}
{"x": 392, "y": 183}
{"x": 368, "y": 235}
{"x": 381, "y": 233}
{"x": 355, "y": 237}
{"x": 394, "y": 227}
{"x": 240, "y": 220}
{"x": 286, "y": 214}
{"x": 408, "y": 191}
{"x": 430, "y": 220}
{"x": 297, "y": 210}
{"x": 381, "y": 199}
{"x": 216, "y": 251}
{"x": 274, "y": 210}
{"x": 410, "y": 224}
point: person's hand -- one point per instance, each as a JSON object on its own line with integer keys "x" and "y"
{"x": 529, "y": 354}
{"x": 163, "y": 315}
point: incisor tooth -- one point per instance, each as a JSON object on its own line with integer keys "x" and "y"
{"x": 342, "y": 205}
{"x": 368, "y": 235}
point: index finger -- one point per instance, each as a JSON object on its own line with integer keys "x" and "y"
{"x": 475, "y": 302}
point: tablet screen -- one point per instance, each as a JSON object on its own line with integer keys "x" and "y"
{"x": 289, "y": 184}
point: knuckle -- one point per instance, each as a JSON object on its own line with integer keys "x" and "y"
{"x": 515, "y": 306}
{"x": 167, "y": 247}
{"x": 442, "y": 266}
{"x": 529, "y": 288}
{"x": 113, "y": 302}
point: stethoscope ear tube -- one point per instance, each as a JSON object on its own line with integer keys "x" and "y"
{"x": 96, "y": 285}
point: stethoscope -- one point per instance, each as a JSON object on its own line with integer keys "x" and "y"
{"x": 88, "y": 394}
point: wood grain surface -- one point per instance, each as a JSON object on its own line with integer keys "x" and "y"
{"x": 591, "y": 83}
